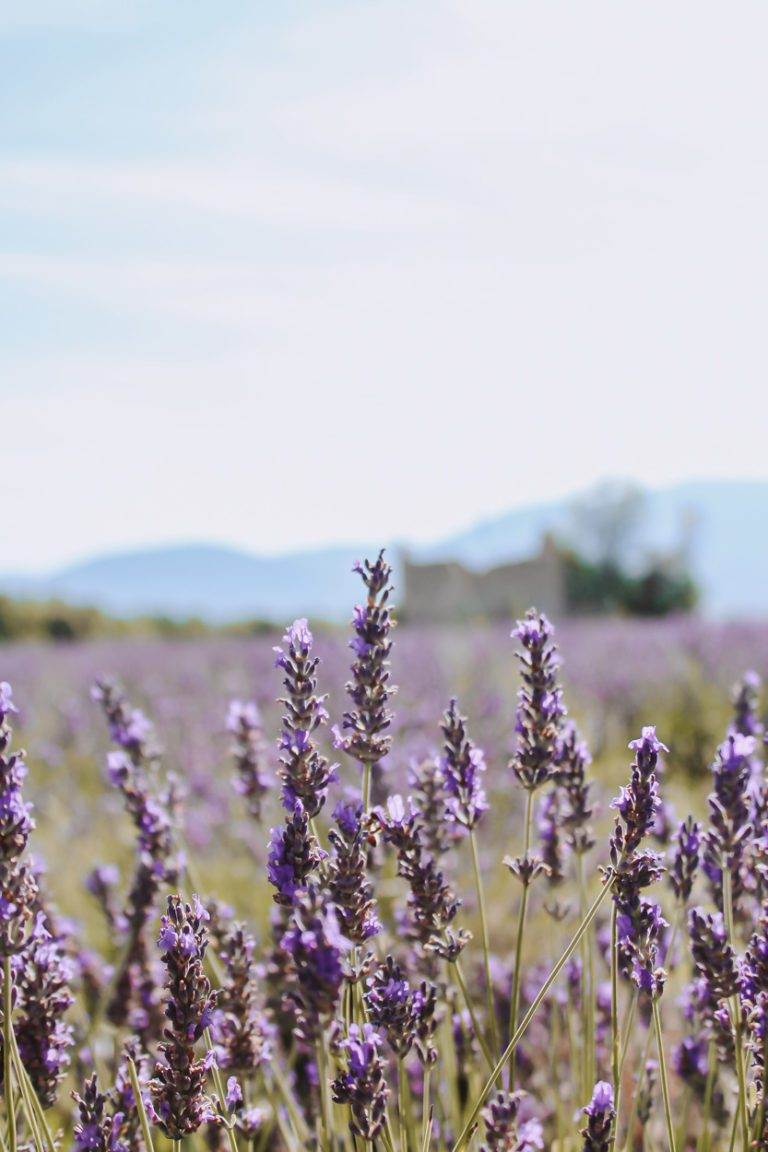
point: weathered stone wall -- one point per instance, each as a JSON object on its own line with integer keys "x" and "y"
{"x": 449, "y": 591}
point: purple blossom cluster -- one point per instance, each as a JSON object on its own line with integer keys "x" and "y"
{"x": 179, "y": 1099}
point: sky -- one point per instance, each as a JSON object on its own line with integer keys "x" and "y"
{"x": 279, "y": 274}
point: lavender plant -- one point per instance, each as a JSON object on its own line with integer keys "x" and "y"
{"x": 365, "y": 1015}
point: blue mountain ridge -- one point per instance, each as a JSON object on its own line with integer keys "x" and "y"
{"x": 728, "y": 555}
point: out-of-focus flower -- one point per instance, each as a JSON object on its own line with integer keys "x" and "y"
{"x": 463, "y": 767}
{"x": 249, "y": 751}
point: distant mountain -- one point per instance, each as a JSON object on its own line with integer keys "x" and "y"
{"x": 728, "y": 553}
{"x": 205, "y": 580}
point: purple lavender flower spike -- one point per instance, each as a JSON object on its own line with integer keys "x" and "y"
{"x": 18, "y": 887}
{"x": 364, "y": 728}
{"x": 96, "y": 1129}
{"x": 600, "y": 1115}
{"x": 729, "y": 807}
{"x": 428, "y": 786}
{"x": 348, "y": 884}
{"x": 305, "y": 774}
{"x": 462, "y": 766}
{"x": 746, "y": 706}
{"x": 294, "y": 854}
{"x": 362, "y": 1085}
{"x": 685, "y": 859}
{"x": 505, "y": 1130}
{"x": 540, "y": 710}
{"x": 42, "y": 978}
{"x": 550, "y": 823}
{"x": 242, "y": 1032}
{"x": 573, "y": 761}
{"x": 178, "y": 1086}
{"x": 6, "y": 701}
{"x": 154, "y": 812}
{"x": 249, "y": 751}
{"x": 638, "y": 803}
{"x": 432, "y": 903}
{"x": 407, "y": 1015}
{"x": 314, "y": 943}
{"x": 713, "y": 956}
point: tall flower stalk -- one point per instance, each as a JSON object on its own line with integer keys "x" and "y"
{"x": 463, "y": 767}
{"x": 364, "y": 732}
{"x": 538, "y": 725}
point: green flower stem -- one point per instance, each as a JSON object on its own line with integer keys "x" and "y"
{"x": 325, "y": 1104}
{"x": 219, "y": 1083}
{"x": 426, "y": 1109}
{"x": 565, "y": 956}
{"x": 517, "y": 975}
{"x": 647, "y": 1046}
{"x": 615, "y": 1039}
{"x": 663, "y": 1075}
{"x": 143, "y": 1120}
{"x": 587, "y": 991}
{"x": 34, "y": 1108}
{"x": 735, "y": 1008}
{"x": 10, "y": 1109}
{"x": 462, "y": 983}
{"x": 702, "y": 1144}
{"x": 486, "y": 944}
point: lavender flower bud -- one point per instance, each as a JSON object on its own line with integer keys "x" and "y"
{"x": 178, "y": 1087}
{"x": 305, "y": 774}
{"x": 128, "y": 727}
{"x": 95, "y": 1130}
{"x": 133, "y": 771}
{"x": 348, "y": 884}
{"x": 42, "y": 974}
{"x": 504, "y": 1130}
{"x": 690, "y": 1061}
{"x": 242, "y": 1032}
{"x": 364, "y": 728}
{"x": 638, "y": 803}
{"x": 729, "y": 828}
{"x": 639, "y": 922}
{"x": 685, "y": 858}
{"x": 294, "y": 854}
{"x": 713, "y": 956}
{"x": 249, "y": 752}
{"x": 746, "y": 706}
{"x": 432, "y": 903}
{"x": 600, "y": 1115}
{"x": 462, "y": 767}
{"x": 362, "y": 1085}
{"x": 406, "y": 1015}
{"x": 573, "y": 761}
{"x": 428, "y": 786}
{"x": 316, "y": 948}
{"x": 540, "y": 710}
{"x": 550, "y": 822}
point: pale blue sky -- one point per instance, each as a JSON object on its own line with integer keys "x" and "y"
{"x": 282, "y": 273}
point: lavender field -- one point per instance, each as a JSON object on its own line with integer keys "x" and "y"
{"x": 407, "y": 920}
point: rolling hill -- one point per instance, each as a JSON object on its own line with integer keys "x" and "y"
{"x": 729, "y": 556}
